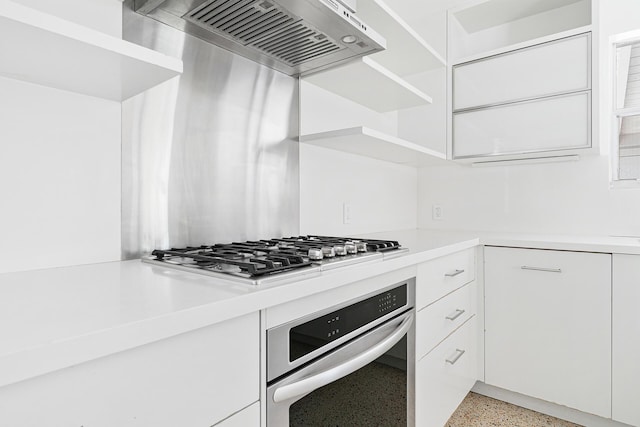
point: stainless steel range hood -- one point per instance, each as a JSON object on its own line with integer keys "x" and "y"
{"x": 292, "y": 36}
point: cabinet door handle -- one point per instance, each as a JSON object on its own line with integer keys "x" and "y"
{"x": 455, "y": 358}
{"x": 454, "y": 316}
{"x": 548, "y": 270}
{"x": 454, "y": 274}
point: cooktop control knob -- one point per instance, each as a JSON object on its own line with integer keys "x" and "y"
{"x": 328, "y": 252}
{"x": 361, "y": 246}
{"x": 340, "y": 250}
{"x": 315, "y": 254}
{"x": 351, "y": 248}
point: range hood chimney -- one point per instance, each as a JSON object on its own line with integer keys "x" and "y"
{"x": 296, "y": 37}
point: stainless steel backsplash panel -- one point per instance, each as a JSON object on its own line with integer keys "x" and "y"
{"x": 210, "y": 156}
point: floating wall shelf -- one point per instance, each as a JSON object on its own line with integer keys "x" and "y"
{"x": 407, "y": 52}
{"x": 40, "y": 48}
{"x": 371, "y": 143}
{"x": 370, "y": 84}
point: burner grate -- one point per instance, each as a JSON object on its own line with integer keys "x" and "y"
{"x": 256, "y": 259}
{"x": 251, "y": 264}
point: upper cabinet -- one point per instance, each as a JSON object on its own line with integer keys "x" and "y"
{"x": 43, "y": 49}
{"x": 521, "y": 80}
{"x": 557, "y": 67}
{"x": 375, "y": 87}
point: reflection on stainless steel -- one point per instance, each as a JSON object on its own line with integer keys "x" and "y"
{"x": 210, "y": 155}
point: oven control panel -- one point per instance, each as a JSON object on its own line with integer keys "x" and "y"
{"x": 387, "y": 302}
{"x": 315, "y": 333}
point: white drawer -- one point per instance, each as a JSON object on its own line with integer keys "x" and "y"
{"x": 438, "y": 277}
{"x": 436, "y": 322}
{"x": 445, "y": 376}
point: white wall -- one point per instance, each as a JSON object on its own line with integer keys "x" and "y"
{"x": 101, "y": 15}
{"x": 566, "y": 198}
{"x": 382, "y": 195}
{"x": 60, "y": 165}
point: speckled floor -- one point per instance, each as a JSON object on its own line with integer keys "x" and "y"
{"x": 481, "y": 411}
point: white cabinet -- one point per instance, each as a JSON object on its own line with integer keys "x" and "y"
{"x": 441, "y": 276}
{"x": 524, "y": 102}
{"x": 559, "y": 66}
{"x": 446, "y": 337}
{"x": 503, "y": 56}
{"x": 194, "y": 379}
{"x": 626, "y": 339}
{"x": 543, "y": 125}
{"x": 548, "y": 326}
{"x": 440, "y": 319}
{"x": 445, "y": 376}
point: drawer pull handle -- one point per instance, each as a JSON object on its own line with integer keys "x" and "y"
{"x": 454, "y": 316}
{"x": 455, "y": 273}
{"x": 548, "y": 270}
{"x": 455, "y": 358}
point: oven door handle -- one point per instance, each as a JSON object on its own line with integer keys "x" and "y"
{"x": 307, "y": 385}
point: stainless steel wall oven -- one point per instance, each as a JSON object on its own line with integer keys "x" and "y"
{"x": 351, "y": 364}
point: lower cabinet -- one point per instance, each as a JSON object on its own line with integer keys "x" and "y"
{"x": 626, "y": 339}
{"x": 548, "y": 326}
{"x": 195, "y": 379}
{"x": 445, "y": 376}
{"x": 446, "y": 336}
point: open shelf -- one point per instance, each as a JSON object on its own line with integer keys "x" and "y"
{"x": 40, "y": 48}
{"x": 407, "y": 52}
{"x": 370, "y": 84}
{"x": 371, "y": 143}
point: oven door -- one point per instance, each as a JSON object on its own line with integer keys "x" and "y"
{"x": 367, "y": 381}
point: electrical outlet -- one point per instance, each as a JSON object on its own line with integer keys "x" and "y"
{"x": 437, "y": 213}
{"x": 346, "y": 213}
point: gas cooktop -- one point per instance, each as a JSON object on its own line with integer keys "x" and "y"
{"x": 265, "y": 261}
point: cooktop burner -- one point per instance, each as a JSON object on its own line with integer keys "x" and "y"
{"x": 263, "y": 261}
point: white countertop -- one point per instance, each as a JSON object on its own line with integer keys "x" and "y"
{"x": 415, "y": 239}
{"x": 55, "y": 318}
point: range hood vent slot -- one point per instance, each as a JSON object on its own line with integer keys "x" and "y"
{"x": 264, "y": 26}
{"x": 292, "y": 36}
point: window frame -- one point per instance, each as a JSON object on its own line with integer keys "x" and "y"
{"x": 617, "y": 114}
